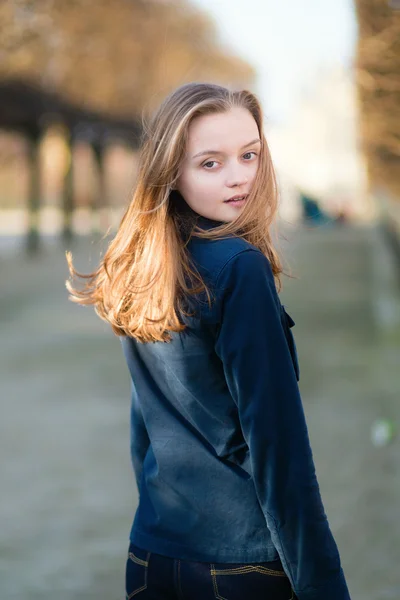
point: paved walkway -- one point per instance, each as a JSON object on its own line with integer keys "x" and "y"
{"x": 68, "y": 495}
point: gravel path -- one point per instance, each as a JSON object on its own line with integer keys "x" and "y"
{"x": 68, "y": 494}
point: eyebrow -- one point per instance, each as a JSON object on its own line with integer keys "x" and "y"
{"x": 219, "y": 151}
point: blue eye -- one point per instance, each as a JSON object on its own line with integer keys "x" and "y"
{"x": 247, "y": 153}
{"x": 210, "y": 162}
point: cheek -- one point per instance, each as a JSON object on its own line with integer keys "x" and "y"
{"x": 255, "y": 165}
{"x": 199, "y": 181}
{"x": 253, "y": 170}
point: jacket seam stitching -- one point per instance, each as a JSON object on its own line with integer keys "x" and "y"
{"x": 234, "y": 256}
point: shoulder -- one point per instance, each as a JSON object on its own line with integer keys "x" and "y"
{"x": 249, "y": 265}
{"x": 218, "y": 258}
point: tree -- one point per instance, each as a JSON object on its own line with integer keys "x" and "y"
{"x": 115, "y": 57}
{"x": 377, "y": 78}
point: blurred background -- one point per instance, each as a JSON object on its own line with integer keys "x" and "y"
{"x": 76, "y": 80}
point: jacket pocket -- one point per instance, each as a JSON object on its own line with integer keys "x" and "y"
{"x": 137, "y": 566}
{"x": 288, "y": 323}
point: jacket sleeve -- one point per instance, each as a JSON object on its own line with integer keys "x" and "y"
{"x": 139, "y": 438}
{"x": 262, "y": 381}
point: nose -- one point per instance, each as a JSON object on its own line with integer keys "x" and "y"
{"x": 236, "y": 176}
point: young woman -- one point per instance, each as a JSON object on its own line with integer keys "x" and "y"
{"x": 229, "y": 503}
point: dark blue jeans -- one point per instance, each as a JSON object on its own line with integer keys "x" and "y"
{"x": 152, "y": 576}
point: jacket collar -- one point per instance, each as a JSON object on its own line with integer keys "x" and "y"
{"x": 206, "y": 223}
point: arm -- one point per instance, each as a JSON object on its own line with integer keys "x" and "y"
{"x": 262, "y": 381}
{"x": 138, "y": 435}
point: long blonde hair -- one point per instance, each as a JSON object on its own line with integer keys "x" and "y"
{"x": 141, "y": 283}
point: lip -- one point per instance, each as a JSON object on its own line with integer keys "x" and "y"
{"x": 243, "y": 196}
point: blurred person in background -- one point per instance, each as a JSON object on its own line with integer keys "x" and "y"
{"x": 229, "y": 502}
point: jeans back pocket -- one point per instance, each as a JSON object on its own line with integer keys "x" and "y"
{"x": 137, "y": 565}
{"x": 256, "y": 581}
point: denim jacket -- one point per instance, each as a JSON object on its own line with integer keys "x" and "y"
{"x": 219, "y": 441}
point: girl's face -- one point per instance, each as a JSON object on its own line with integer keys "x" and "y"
{"x": 221, "y": 161}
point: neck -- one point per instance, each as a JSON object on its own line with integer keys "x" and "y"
{"x": 188, "y": 218}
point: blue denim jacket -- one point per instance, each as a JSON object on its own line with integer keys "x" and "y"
{"x": 219, "y": 441}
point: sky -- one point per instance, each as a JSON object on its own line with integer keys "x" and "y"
{"x": 288, "y": 42}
